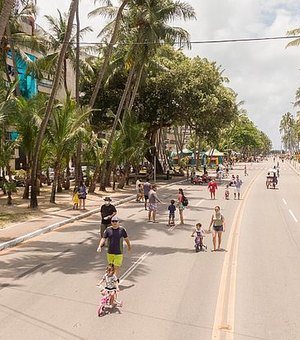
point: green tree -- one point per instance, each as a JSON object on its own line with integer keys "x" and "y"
{"x": 147, "y": 25}
{"x": 6, "y": 8}
{"x": 58, "y": 29}
{"x": 287, "y": 131}
{"x": 48, "y": 111}
{"x": 27, "y": 120}
{"x": 63, "y": 133}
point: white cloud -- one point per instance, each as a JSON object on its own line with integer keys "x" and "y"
{"x": 264, "y": 74}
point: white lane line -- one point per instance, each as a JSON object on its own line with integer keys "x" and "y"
{"x": 294, "y": 217}
{"x": 135, "y": 265}
{"x": 197, "y": 205}
{"x": 172, "y": 227}
{"x": 284, "y": 201}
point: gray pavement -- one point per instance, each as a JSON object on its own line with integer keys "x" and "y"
{"x": 56, "y": 217}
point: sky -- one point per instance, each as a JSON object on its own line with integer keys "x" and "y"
{"x": 264, "y": 74}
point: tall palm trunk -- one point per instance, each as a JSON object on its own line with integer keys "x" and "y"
{"x": 108, "y": 53}
{"x": 113, "y": 130}
{"x": 77, "y": 156}
{"x": 13, "y": 58}
{"x": 93, "y": 183}
{"x": 4, "y": 16}
{"x": 136, "y": 87}
{"x": 40, "y": 137}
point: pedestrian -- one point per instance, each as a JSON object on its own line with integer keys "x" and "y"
{"x": 137, "y": 189}
{"x": 237, "y": 187}
{"x": 181, "y": 207}
{"x": 107, "y": 211}
{"x": 227, "y": 193}
{"x": 147, "y": 187}
{"x": 115, "y": 234}
{"x": 153, "y": 200}
{"x": 75, "y": 199}
{"x": 172, "y": 209}
{"x": 218, "y": 224}
{"x": 81, "y": 195}
{"x": 140, "y": 194}
{"x": 245, "y": 170}
{"x": 212, "y": 187}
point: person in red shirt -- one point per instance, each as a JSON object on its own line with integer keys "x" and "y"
{"x": 212, "y": 187}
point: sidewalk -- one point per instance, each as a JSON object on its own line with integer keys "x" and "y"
{"x": 57, "y": 215}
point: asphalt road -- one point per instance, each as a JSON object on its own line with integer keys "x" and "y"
{"x": 251, "y": 291}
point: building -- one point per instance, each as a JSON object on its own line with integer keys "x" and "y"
{"x": 30, "y": 86}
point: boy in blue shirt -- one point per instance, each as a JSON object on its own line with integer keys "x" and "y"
{"x": 172, "y": 209}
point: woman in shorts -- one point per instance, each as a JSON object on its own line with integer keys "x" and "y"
{"x": 218, "y": 224}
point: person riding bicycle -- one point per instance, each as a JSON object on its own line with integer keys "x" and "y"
{"x": 111, "y": 283}
{"x": 199, "y": 231}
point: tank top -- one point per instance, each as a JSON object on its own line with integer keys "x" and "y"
{"x": 217, "y": 218}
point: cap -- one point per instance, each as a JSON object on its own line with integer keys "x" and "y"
{"x": 114, "y": 219}
{"x": 107, "y": 199}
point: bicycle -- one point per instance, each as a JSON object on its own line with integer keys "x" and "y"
{"x": 108, "y": 301}
{"x": 199, "y": 246}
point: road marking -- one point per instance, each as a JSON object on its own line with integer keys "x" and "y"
{"x": 172, "y": 227}
{"x": 284, "y": 201}
{"x": 135, "y": 265}
{"x": 294, "y": 217}
{"x": 197, "y": 205}
{"x": 225, "y": 307}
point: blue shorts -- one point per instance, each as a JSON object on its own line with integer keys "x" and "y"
{"x": 217, "y": 228}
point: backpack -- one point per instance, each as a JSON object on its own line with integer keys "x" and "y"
{"x": 185, "y": 201}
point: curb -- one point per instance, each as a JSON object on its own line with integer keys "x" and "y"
{"x": 54, "y": 226}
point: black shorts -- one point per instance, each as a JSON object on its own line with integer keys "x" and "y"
{"x": 146, "y": 197}
{"x": 218, "y": 228}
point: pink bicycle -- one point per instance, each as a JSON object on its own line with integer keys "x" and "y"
{"x": 108, "y": 301}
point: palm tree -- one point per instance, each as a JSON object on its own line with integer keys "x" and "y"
{"x": 287, "y": 129}
{"x": 108, "y": 52}
{"x": 7, "y": 109}
{"x": 27, "y": 120}
{"x": 48, "y": 111}
{"x": 293, "y": 32}
{"x": 95, "y": 151}
{"x": 130, "y": 145}
{"x": 48, "y": 64}
{"x": 63, "y": 133}
{"x": 6, "y": 8}
{"x": 146, "y": 27}
{"x": 15, "y": 43}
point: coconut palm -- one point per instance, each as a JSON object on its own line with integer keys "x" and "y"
{"x": 64, "y": 131}
{"x": 146, "y": 28}
{"x": 130, "y": 145}
{"x": 293, "y": 32}
{"x": 48, "y": 111}
{"x": 108, "y": 52}
{"x": 6, "y": 8}
{"x": 16, "y": 42}
{"x": 287, "y": 130}
{"x": 7, "y": 110}
{"x": 95, "y": 152}
{"x": 27, "y": 120}
{"x": 48, "y": 64}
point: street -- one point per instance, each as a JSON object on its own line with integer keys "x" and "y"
{"x": 250, "y": 291}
